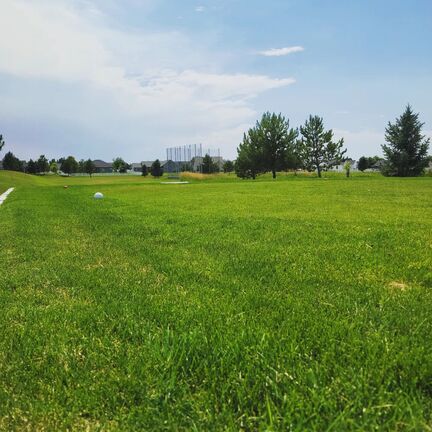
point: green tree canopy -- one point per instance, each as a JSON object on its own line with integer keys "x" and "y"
{"x": 11, "y": 162}
{"x": 31, "y": 167}
{"x": 119, "y": 165}
{"x": 42, "y": 164}
{"x": 69, "y": 165}
{"x": 54, "y": 167}
{"x": 277, "y": 141}
{"x": 249, "y": 161}
{"x": 228, "y": 166}
{"x": 208, "y": 165}
{"x": 268, "y": 146}
{"x": 406, "y": 152}
{"x": 317, "y": 150}
{"x": 144, "y": 170}
{"x": 89, "y": 167}
{"x": 156, "y": 169}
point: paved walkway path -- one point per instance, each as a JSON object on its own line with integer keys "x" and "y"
{"x": 5, "y": 195}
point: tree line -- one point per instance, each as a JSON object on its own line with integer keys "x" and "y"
{"x": 273, "y": 146}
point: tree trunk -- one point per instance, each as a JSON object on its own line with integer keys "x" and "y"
{"x": 319, "y": 171}
{"x": 274, "y": 174}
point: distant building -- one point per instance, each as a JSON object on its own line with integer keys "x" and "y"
{"x": 136, "y": 167}
{"x": 102, "y": 167}
{"x": 341, "y": 166}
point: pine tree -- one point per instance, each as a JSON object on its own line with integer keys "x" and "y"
{"x": 144, "y": 170}
{"x": 249, "y": 157}
{"x": 208, "y": 166}
{"x": 89, "y": 167}
{"x": 269, "y": 146}
{"x": 277, "y": 141}
{"x": 31, "y": 167}
{"x": 228, "y": 166}
{"x": 406, "y": 154}
{"x": 363, "y": 163}
{"x": 156, "y": 169}
{"x": 11, "y": 163}
{"x": 317, "y": 150}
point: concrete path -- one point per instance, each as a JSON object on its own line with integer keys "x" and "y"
{"x": 5, "y": 195}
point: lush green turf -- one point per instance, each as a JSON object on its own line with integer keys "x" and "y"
{"x": 299, "y": 304}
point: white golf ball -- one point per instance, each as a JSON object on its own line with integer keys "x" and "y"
{"x": 98, "y": 195}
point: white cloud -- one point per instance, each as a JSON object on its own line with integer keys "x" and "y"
{"x": 278, "y": 52}
{"x": 200, "y": 9}
{"x": 361, "y": 142}
{"x": 122, "y": 84}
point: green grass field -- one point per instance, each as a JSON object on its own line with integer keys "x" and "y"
{"x": 295, "y": 304}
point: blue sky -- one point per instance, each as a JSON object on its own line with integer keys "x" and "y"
{"x": 107, "y": 78}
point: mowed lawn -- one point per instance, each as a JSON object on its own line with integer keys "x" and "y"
{"x": 295, "y": 304}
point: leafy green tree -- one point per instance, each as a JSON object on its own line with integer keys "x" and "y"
{"x": 69, "y": 165}
{"x": 317, "y": 149}
{"x": 12, "y": 163}
{"x": 249, "y": 162}
{"x": 119, "y": 165}
{"x": 228, "y": 167}
{"x": 363, "y": 163}
{"x": 144, "y": 170}
{"x": 406, "y": 154}
{"x": 54, "y": 167}
{"x": 156, "y": 169}
{"x": 31, "y": 167}
{"x": 347, "y": 168}
{"x": 42, "y": 164}
{"x": 81, "y": 166}
{"x": 208, "y": 165}
{"x": 89, "y": 167}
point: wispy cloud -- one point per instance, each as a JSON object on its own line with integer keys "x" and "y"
{"x": 279, "y": 52}
{"x": 135, "y": 81}
{"x": 200, "y": 9}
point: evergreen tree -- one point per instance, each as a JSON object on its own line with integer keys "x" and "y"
{"x": 363, "y": 163}
{"x": 249, "y": 156}
{"x": 31, "y": 167}
{"x": 406, "y": 154}
{"x": 11, "y": 163}
{"x": 69, "y": 165}
{"x": 156, "y": 169}
{"x": 208, "y": 166}
{"x": 317, "y": 150}
{"x": 277, "y": 141}
{"x": 42, "y": 164}
{"x": 89, "y": 167}
{"x": 269, "y": 146}
{"x": 144, "y": 170}
{"x": 81, "y": 166}
{"x": 228, "y": 166}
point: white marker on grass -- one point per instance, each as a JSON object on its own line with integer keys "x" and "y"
{"x": 98, "y": 195}
{"x": 5, "y": 195}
